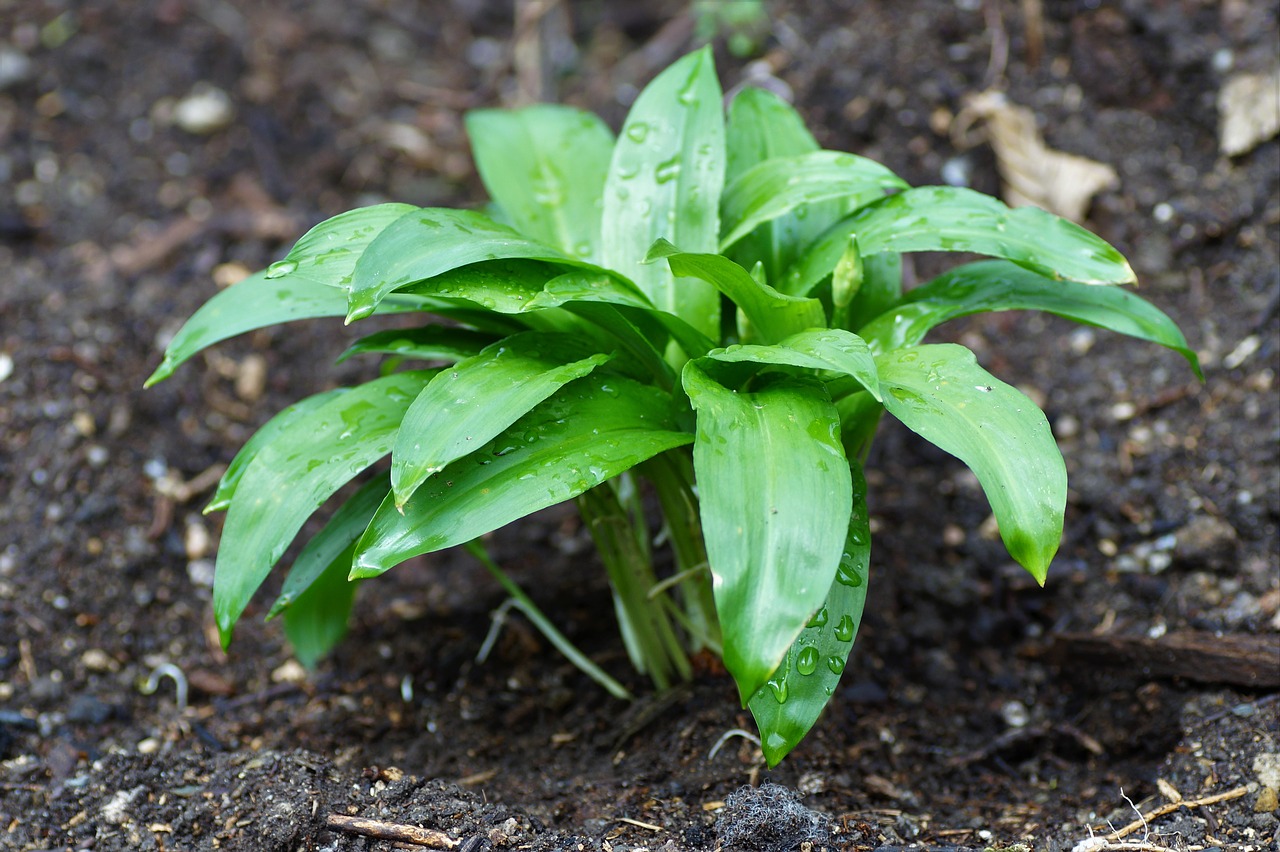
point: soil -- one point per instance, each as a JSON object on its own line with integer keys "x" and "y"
{"x": 978, "y": 710}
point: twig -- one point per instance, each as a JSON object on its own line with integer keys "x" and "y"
{"x": 393, "y": 831}
{"x": 1169, "y": 808}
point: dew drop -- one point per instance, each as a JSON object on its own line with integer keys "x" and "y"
{"x": 844, "y": 630}
{"x": 835, "y": 664}
{"x": 638, "y": 131}
{"x": 819, "y": 618}
{"x": 281, "y": 268}
{"x": 807, "y": 661}
{"x": 668, "y": 170}
{"x": 778, "y": 686}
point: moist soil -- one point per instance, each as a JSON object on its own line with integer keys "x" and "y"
{"x": 978, "y": 710}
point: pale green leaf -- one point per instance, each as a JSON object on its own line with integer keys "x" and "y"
{"x": 545, "y": 166}
{"x": 817, "y": 349}
{"x": 764, "y": 461}
{"x": 664, "y": 182}
{"x": 939, "y": 392}
{"x": 327, "y": 254}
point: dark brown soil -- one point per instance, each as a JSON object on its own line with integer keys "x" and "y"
{"x": 974, "y": 711}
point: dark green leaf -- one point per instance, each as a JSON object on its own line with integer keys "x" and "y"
{"x": 311, "y": 458}
{"x": 940, "y": 393}
{"x": 428, "y": 343}
{"x": 776, "y": 502}
{"x": 787, "y": 706}
{"x": 465, "y": 407}
{"x": 317, "y": 620}
{"x": 664, "y": 182}
{"x": 590, "y": 431}
{"x": 545, "y": 166}
{"x": 1001, "y": 286}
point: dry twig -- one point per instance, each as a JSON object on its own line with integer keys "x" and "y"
{"x": 393, "y": 831}
{"x": 1168, "y": 808}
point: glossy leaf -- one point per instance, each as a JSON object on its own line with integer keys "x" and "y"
{"x": 772, "y": 314}
{"x": 939, "y": 392}
{"x": 317, "y": 620}
{"x": 590, "y": 431}
{"x": 264, "y": 437}
{"x": 327, "y": 547}
{"x": 256, "y": 302}
{"x": 764, "y": 461}
{"x": 309, "y": 460}
{"x": 465, "y": 407}
{"x": 327, "y": 254}
{"x": 789, "y": 704}
{"x": 1002, "y": 286}
{"x": 780, "y": 185}
{"x": 432, "y": 241}
{"x": 943, "y": 218}
{"x": 664, "y": 182}
{"x": 818, "y": 349}
{"x": 545, "y": 166}
{"x": 427, "y": 343}
{"x": 881, "y": 288}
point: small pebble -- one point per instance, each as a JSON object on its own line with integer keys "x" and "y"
{"x": 15, "y": 67}
{"x": 207, "y": 109}
{"x": 98, "y": 660}
{"x": 6, "y": 365}
{"x": 290, "y": 672}
{"x": 1015, "y": 714}
{"x": 150, "y": 745}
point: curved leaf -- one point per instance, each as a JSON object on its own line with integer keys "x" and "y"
{"x": 317, "y": 620}
{"x": 664, "y": 182}
{"x": 464, "y": 407}
{"x": 944, "y": 218}
{"x": 264, "y": 437}
{"x": 590, "y": 431}
{"x": 428, "y": 343}
{"x": 818, "y": 349}
{"x": 327, "y": 254}
{"x": 429, "y": 242}
{"x": 940, "y": 393}
{"x": 502, "y": 286}
{"x": 256, "y": 302}
{"x": 545, "y": 166}
{"x": 311, "y": 458}
{"x": 327, "y": 548}
{"x": 788, "y": 705}
{"x": 764, "y": 461}
{"x": 780, "y": 185}
{"x": 773, "y": 314}
{"x": 1001, "y": 286}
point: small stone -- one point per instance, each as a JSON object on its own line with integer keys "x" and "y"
{"x": 290, "y": 672}
{"x": 150, "y": 745}
{"x": 15, "y": 67}
{"x": 87, "y": 710}
{"x": 1015, "y": 714}
{"x": 1267, "y": 801}
{"x": 98, "y": 660}
{"x": 1206, "y": 541}
{"x": 251, "y": 378}
{"x": 196, "y": 540}
{"x": 1267, "y": 767}
{"x": 207, "y": 109}
{"x": 6, "y": 365}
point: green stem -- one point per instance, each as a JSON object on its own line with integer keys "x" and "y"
{"x": 525, "y": 604}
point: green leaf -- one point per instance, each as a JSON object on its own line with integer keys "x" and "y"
{"x": 317, "y": 620}
{"x": 789, "y": 704}
{"x": 311, "y": 458}
{"x": 881, "y": 288}
{"x": 428, "y": 343}
{"x": 818, "y": 349}
{"x": 940, "y": 393}
{"x": 1001, "y": 286}
{"x": 590, "y": 431}
{"x": 943, "y": 218}
{"x": 429, "y": 242}
{"x": 327, "y": 254}
{"x": 332, "y": 544}
{"x": 255, "y": 302}
{"x": 545, "y": 166}
{"x": 780, "y": 185}
{"x": 772, "y": 314}
{"x": 264, "y": 437}
{"x": 664, "y": 182}
{"x": 465, "y": 407}
{"x": 776, "y": 501}
{"x": 504, "y": 286}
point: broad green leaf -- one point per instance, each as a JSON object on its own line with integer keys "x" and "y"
{"x": 788, "y": 705}
{"x": 762, "y": 126}
{"x": 317, "y": 620}
{"x": 429, "y": 242}
{"x": 327, "y": 254}
{"x": 776, "y": 502}
{"x": 504, "y": 286}
{"x": 773, "y": 315}
{"x": 256, "y": 302}
{"x": 664, "y": 183}
{"x": 428, "y": 343}
{"x": 545, "y": 166}
{"x": 264, "y": 437}
{"x": 939, "y": 392}
{"x": 311, "y": 458}
{"x": 944, "y": 218}
{"x": 881, "y": 288}
{"x": 1001, "y": 286}
{"x": 465, "y": 407}
{"x": 818, "y": 349}
{"x": 332, "y": 544}
{"x": 590, "y": 431}
{"x": 781, "y": 185}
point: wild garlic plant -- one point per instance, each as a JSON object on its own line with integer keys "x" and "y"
{"x": 706, "y": 313}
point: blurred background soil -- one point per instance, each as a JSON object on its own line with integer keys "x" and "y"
{"x": 151, "y": 152}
